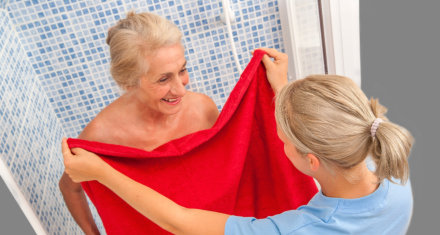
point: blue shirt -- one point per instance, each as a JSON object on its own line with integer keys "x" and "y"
{"x": 387, "y": 210}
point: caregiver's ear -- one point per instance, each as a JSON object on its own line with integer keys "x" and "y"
{"x": 313, "y": 161}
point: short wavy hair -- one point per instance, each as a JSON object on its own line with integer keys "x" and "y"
{"x": 134, "y": 38}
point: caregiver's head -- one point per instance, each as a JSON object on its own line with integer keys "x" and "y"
{"x": 134, "y": 42}
{"x": 330, "y": 117}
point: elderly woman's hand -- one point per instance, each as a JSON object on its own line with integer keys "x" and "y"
{"x": 276, "y": 69}
{"x": 82, "y": 165}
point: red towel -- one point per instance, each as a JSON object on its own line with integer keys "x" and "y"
{"x": 236, "y": 167}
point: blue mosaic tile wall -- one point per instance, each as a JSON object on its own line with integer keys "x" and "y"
{"x": 65, "y": 42}
{"x": 30, "y": 134}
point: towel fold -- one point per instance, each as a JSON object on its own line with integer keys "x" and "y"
{"x": 237, "y": 167}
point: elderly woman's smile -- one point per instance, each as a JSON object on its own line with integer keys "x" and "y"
{"x": 172, "y": 101}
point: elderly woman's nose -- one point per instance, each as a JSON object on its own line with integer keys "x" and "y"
{"x": 179, "y": 87}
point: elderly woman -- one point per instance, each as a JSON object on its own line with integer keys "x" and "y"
{"x": 148, "y": 62}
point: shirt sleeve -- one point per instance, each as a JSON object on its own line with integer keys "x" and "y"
{"x": 236, "y": 225}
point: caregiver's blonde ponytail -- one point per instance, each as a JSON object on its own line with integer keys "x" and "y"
{"x": 331, "y": 117}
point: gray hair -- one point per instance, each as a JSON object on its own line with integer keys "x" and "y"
{"x": 132, "y": 39}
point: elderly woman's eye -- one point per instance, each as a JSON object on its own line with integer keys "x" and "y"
{"x": 163, "y": 79}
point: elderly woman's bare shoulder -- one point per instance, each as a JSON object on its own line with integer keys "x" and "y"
{"x": 203, "y": 105}
{"x": 103, "y": 126}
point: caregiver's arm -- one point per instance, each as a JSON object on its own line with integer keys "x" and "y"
{"x": 276, "y": 68}
{"x": 82, "y": 165}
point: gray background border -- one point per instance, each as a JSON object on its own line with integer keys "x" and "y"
{"x": 400, "y": 60}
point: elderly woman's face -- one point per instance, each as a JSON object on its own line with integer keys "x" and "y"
{"x": 164, "y": 84}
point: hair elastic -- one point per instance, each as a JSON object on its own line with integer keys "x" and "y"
{"x": 374, "y": 126}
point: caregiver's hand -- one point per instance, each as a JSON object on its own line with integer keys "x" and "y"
{"x": 82, "y": 165}
{"x": 276, "y": 69}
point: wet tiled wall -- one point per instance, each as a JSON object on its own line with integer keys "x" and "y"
{"x": 30, "y": 136}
